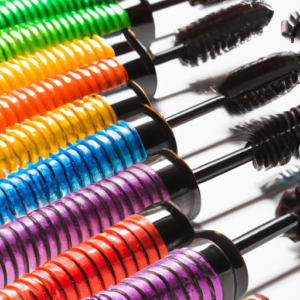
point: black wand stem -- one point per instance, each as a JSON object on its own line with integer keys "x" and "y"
{"x": 266, "y": 232}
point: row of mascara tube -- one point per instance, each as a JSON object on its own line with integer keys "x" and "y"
{"x": 28, "y": 92}
{"x": 99, "y": 261}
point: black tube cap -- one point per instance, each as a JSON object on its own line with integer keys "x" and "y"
{"x": 139, "y": 65}
{"x": 120, "y": 41}
{"x": 172, "y": 225}
{"x": 179, "y": 181}
{"x": 223, "y": 256}
{"x": 141, "y": 19}
{"x": 154, "y": 131}
{"x": 126, "y": 100}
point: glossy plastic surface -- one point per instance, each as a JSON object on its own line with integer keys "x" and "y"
{"x": 173, "y": 226}
{"x": 119, "y": 41}
{"x": 139, "y": 65}
{"x": 102, "y": 261}
{"x": 31, "y": 37}
{"x": 179, "y": 181}
{"x": 24, "y": 71}
{"x": 40, "y": 136}
{"x": 23, "y": 11}
{"x": 100, "y": 156}
{"x": 49, "y": 231}
{"x": 126, "y": 100}
{"x": 222, "y": 254}
{"x": 153, "y": 130}
{"x": 46, "y": 95}
{"x": 141, "y": 19}
{"x": 183, "y": 274}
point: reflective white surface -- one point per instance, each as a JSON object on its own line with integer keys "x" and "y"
{"x": 274, "y": 269}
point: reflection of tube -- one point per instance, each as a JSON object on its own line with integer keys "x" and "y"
{"x": 286, "y": 179}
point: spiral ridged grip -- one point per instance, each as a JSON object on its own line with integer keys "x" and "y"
{"x": 274, "y": 140}
{"x": 95, "y": 265}
{"x": 24, "y": 11}
{"x": 40, "y": 136}
{"x": 102, "y": 155}
{"x": 183, "y": 274}
{"x": 46, "y": 95}
{"x": 20, "y": 73}
{"x": 49, "y": 231}
{"x": 29, "y": 38}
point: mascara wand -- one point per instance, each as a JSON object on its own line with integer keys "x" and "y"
{"x": 249, "y": 87}
{"x": 125, "y": 102}
{"x": 218, "y": 33}
{"x": 288, "y": 178}
{"x": 209, "y": 265}
{"x": 138, "y": 63}
{"x": 245, "y": 89}
{"x": 211, "y": 268}
{"x": 27, "y": 27}
{"x": 291, "y": 29}
{"x": 137, "y": 66}
{"x": 270, "y": 142}
{"x": 210, "y": 36}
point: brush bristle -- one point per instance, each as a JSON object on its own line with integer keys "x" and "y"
{"x": 204, "y": 2}
{"x": 222, "y": 31}
{"x": 263, "y": 95}
{"x": 274, "y": 140}
{"x": 291, "y": 28}
{"x": 290, "y": 201}
{"x": 260, "y": 82}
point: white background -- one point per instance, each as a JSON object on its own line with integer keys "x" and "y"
{"x": 274, "y": 269}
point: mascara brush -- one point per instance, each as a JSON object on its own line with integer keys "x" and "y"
{"x": 250, "y": 87}
{"x": 269, "y": 143}
{"x": 126, "y": 102}
{"x": 137, "y": 15}
{"x": 88, "y": 19}
{"x": 218, "y": 33}
{"x": 210, "y": 36}
{"x": 211, "y": 268}
{"x": 137, "y": 61}
{"x": 287, "y": 178}
{"x": 241, "y": 91}
{"x": 208, "y": 265}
